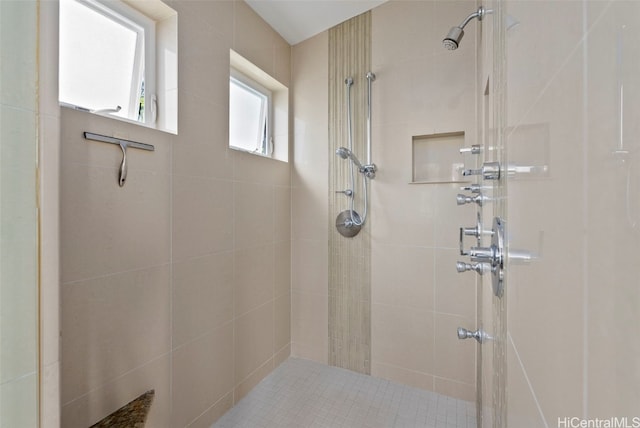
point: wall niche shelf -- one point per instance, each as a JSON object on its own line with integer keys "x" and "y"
{"x": 436, "y": 158}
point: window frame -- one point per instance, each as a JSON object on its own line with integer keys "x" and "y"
{"x": 266, "y": 146}
{"x": 144, "y": 70}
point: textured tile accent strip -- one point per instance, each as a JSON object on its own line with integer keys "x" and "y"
{"x": 305, "y": 394}
{"x": 349, "y": 258}
{"x": 132, "y": 415}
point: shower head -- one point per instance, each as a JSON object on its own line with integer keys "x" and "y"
{"x": 345, "y": 153}
{"x": 452, "y": 41}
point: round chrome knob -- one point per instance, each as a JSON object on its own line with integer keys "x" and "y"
{"x": 463, "y": 333}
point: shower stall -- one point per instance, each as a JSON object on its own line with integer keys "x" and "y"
{"x": 534, "y": 322}
{"x": 544, "y": 94}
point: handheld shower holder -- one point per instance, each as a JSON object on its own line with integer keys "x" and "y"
{"x": 369, "y": 171}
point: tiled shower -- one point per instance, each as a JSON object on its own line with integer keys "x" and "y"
{"x": 211, "y": 267}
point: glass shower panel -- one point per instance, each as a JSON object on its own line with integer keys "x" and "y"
{"x": 573, "y": 99}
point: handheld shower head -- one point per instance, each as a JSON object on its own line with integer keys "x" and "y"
{"x": 452, "y": 41}
{"x": 345, "y": 153}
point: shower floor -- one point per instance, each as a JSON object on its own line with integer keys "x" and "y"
{"x": 305, "y": 394}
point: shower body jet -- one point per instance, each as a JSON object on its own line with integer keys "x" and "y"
{"x": 452, "y": 41}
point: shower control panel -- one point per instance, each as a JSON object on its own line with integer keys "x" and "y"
{"x": 489, "y": 259}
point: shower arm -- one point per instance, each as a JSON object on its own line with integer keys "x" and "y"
{"x": 480, "y": 13}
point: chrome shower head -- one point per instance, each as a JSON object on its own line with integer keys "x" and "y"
{"x": 452, "y": 41}
{"x": 345, "y": 153}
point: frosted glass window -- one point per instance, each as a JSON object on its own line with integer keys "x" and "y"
{"x": 249, "y": 116}
{"x": 101, "y": 60}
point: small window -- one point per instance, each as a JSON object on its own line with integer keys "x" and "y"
{"x": 258, "y": 110}
{"x": 250, "y": 115}
{"x": 107, "y": 60}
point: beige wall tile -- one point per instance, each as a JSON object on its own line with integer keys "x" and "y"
{"x": 112, "y": 229}
{"x": 411, "y": 223}
{"x": 402, "y": 32}
{"x": 253, "y": 344}
{"x": 99, "y": 402}
{"x": 309, "y": 200}
{"x": 216, "y": 17}
{"x": 553, "y": 363}
{"x": 282, "y": 321}
{"x": 203, "y": 149}
{"x": 254, "y": 214}
{"x": 309, "y": 213}
{"x": 203, "y": 296}
{"x": 455, "y": 293}
{"x": 254, "y": 278}
{"x": 522, "y": 409}
{"x": 111, "y": 325}
{"x": 531, "y": 66}
{"x": 317, "y": 352}
{"x": 403, "y": 276}
{"x": 202, "y": 374}
{"x": 253, "y": 38}
{"x": 282, "y": 268}
{"x": 451, "y": 388}
{"x": 282, "y": 66}
{"x": 309, "y": 325}
{"x": 309, "y": 270}
{"x": 260, "y": 170}
{"x": 281, "y": 355}
{"x": 282, "y": 214}
{"x": 402, "y": 336}
{"x": 454, "y": 358}
{"x": 244, "y": 387}
{"x": 203, "y": 74}
{"x": 402, "y": 375}
{"x": 394, "y": 152}
{"x": 202, "y": 224}
{"x": 214, "y": 413}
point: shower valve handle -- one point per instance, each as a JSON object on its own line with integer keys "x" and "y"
{"x": 473, "y": 188}
{"x": 347, "y": 192}
{"x": 478, "y": 335}
{"x": 479, "y": 199}
{"x": 474, "y": 150}
{"x": 489, "y": 171}
{"x": 480, "y": 268}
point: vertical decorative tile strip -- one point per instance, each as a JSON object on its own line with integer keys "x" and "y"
{"x": 349, "y": 258}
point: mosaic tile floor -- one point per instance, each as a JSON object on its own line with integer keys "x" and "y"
{"x": 304, "y": 394}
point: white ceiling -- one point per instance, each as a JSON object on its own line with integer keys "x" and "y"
{"x": 297, "y": 20}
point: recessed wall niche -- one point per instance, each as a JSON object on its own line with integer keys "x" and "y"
{"x": 437, "y": 159}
